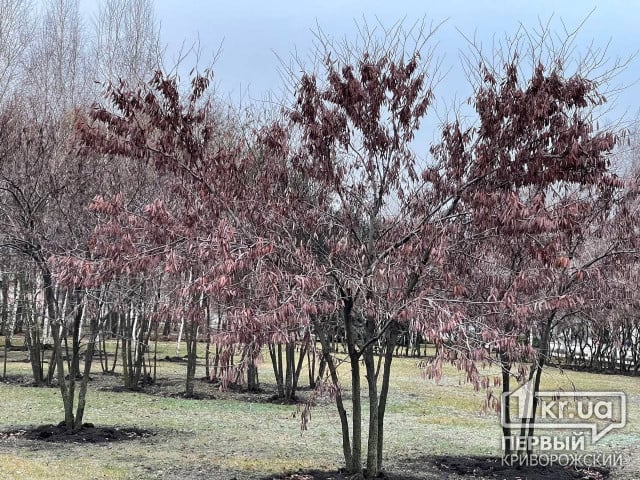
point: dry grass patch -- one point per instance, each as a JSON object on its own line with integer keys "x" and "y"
{"x": 243, "y": 436}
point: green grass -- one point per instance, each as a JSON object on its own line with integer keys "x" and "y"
{"x": 32, "y": 466}
{"x": 232, "y": 436}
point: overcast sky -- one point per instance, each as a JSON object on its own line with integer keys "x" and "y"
{"x": 254, "y": 33}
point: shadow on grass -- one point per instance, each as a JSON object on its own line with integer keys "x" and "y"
{"x": 632, "y": 372}
{"x": 210, "y": 390}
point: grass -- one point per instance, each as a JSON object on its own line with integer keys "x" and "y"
{"x": 232, "y": 436}
{"x": 31, "y": 466}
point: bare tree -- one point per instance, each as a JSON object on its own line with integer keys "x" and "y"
{"x": 126, "y": 42}
{"x": 16, "y": 30}
{"x": 55, "y": 77}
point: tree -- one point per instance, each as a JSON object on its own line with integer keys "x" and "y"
{"x": 357, "y": 120}
{"x": 187, "y": 230}
{"x": 126, "y": 41}
{"x": 264, "y": 237}
{"x": 548, "y": 188}
{"x": 36, "y": 224}
{"x": 44, "y": 187}
{"x": 16, "y": 28}
{"x": 56, "y": 64}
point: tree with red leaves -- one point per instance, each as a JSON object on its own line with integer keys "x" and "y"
{"x": 532, "y": 249}
{"x": 322, "y": 218}
{"x": 321, "y": 223}
{"x": 376, "y": 251}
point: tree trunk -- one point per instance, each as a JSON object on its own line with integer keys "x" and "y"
{"x": 528, "y": 427}
{"x": 155, "y": 353}
{"x": 372, "y": 441}
{"x": 126, "y": 350}
{"x": 115, "y": 356}
{"x": 82, "y": 394}
{"x": 11, "y": 326}
{"x": 342, "y": 412}
{"x": 179, "y": 340}
{"x": 166, "y": 329}
{"x": 207, "y": 348}
{"x": 252, "y": 376}
{"x": 66, "y": 391}
{"x": 32, "y": 336}
{"x": 384, "y": 390}
{"x": 290, "y": 350}
{"x": 33, "y": 343}
{"x": 298, "y": 371}
{"x": 191, "y": 338}
{"x": 354, "y": 360}
{"x": 275, "y": 352}
{"x": 136, "y": 332}
{"x": 4, "y": 303}
{"x": 311, "y": 366}
{"x": 506, "y": 412}
{"x": 77, "y": 325}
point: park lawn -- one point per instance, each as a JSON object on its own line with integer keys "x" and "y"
{"x": 240, "y": 435}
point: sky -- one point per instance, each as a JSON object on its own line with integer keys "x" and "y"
{"x": 254, "y": 33}
{"x": 254, "y": 36}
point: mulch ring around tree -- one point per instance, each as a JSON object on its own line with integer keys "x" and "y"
{"x": 88, "y": 433}
{"x": 463, "y": 467}
{"x": 493, "y": 467}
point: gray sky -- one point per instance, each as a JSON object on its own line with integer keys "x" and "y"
{"x": 254, "y": 33}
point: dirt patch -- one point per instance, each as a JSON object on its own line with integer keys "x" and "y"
{"x": 174, "y": 359}
{"x": 476, "y": 467}
{"x": 337, "y": 475}
{"x": 599, "y": 370}
{"x": 193, "y": 396}
{"x": 20, "y": 380}
{"x": 87, "y": 434}
{"x": 154, "y": 391}
{"x": 493, "y": 467}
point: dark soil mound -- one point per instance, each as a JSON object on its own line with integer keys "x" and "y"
{"x": 462, "y": 467}
{"x": 22, "y": 380}
{"x": 174, "y": 359}
{"x": 87, "y": 434}
{"x": 193, "y": 396}
{"x": 336, "y": 475}
{"x": 600, "y": 370}
{"x": 493, "y": 467}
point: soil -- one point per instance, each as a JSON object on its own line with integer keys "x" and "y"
{"x": 492, "y": 467}
{"x": 477, "y": 467}
{"x": 88, "y": 433}
{"x": 602, "y": 371}
{"x": 174, "y": 359}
